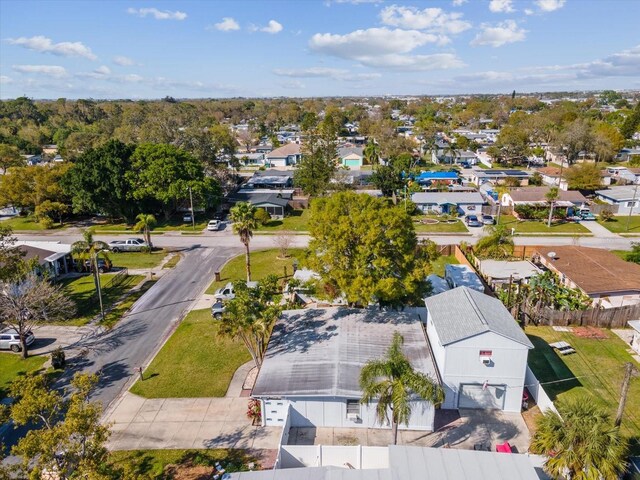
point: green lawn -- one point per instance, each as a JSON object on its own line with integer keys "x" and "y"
{"x": 173, "y": 261}
{"x": 137, "y": 259}
{"x": 534, "y": 226}
{"x": 296, "y": 221}
{"x": 82, "y": 289}
{"x": 12, "y": 365}
{"x": 438, "y": 265}
{"x": 174, "y": 224}
{"x": 26, "y": 223}
{"x": 263, "y": 263}
{"x": 598, "y": 366}
{"x": 619, "y": 224}
{"x": 150, "y": 464}
{"x": 195, "y": 362}
{"x": 441, "y": 227}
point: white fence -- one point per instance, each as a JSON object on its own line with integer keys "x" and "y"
{"x": 533, "y": 385}
{"x": 284, "y": 437}
{"x": 358, "y": 457}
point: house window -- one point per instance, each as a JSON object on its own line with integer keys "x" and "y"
{"x": 353, "y": 407}
{"x": 631, "y": 204}
{"x": 485, "y": 353}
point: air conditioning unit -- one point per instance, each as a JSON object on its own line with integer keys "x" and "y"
{"x": 485, "y": 360}
{"x": 353, "y": 417}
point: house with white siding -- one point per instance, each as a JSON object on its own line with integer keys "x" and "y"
{"x": 287, "y": 155}
{"x": 479, "y": 349}
{"x": 453, "y": 203}
{"x": 311, "y": 369}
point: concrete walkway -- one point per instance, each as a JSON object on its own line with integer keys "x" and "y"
{"x": 598, "y": 230}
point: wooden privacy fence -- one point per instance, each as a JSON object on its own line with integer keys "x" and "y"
{"x": 616, "y": 317}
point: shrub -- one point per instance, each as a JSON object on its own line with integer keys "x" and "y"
{"x": 46, "y": 222}
{"x": 262, "y": 216}
{"x": 58, "y": 358}
{"x": 606, "y": 215}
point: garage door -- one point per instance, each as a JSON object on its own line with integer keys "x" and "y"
{"x": 480, "y": 396}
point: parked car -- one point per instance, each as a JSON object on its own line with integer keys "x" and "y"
{"x": 488, "y": 220}
{"x": 128, "y": 245}
{"x": 217, "y": 309}
{"x": 214, "y": 225}
{"x": 227, "y": 292}
{"x": 10, "y": 340}
{"x": 103, "y": 265}
{"x": 186, "y": 218}
{"x": 218, "y": 216}
{"x": 472, "y": 221}
{"x": 586, "y": 214}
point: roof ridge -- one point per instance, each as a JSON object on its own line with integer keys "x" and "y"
{"x": 475, "y": 307}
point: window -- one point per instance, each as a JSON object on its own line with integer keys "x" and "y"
{"x": 353, "y": 407}
{"x": 5, "y": 337}
{"x": 485, "y": 353}
{"x": 631, "y": 204}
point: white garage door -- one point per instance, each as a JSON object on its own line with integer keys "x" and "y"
{"x": 275, "y": 412}
{"x": 479, "y": 396}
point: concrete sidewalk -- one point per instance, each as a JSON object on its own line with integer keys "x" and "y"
{"x": 598, "y": 230}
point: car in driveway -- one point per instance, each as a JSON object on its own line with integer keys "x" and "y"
{"x": 10, "y": 340}
{"x": 128, "y": 245}
{"x": 488, "y": 220}
{"x": 103, "y": 266}
{"x": 214, "y": 225}
{"x": 472, "y": 221}
{"x": 227, "y": 292}
{"x": 217, "y": 309}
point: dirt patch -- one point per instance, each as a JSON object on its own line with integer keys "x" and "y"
{"x": 590, "y": 332}
{"x": 529, "y": 416}
{"x": 189, "y": 472}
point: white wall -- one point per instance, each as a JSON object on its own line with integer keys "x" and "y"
{"x": 540, "y": 396}
{"x": 463, "y": 365}
{"x": 297, "y": 456}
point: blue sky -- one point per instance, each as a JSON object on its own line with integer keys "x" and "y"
{"x": 149, "y": 49}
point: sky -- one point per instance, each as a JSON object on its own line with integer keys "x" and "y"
{"x": 119, "y": 49}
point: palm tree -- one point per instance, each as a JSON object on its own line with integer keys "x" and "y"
{"x": 393, "y": 383}
{"x": 372, "y": 153}
{"x": 551, "y": 196}
{"x": 498, "y": 244}
{"x": 243, "y": 216}
{"x": 580, "y": 441}
{"x": 90, "y": 249}
{"x": 145, "y": 224}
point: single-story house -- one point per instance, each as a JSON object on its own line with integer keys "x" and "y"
{"x": 351, "y": 157}
{"x": 311, "y": 369}
{"x": 263, "y": 148}
{"x": 480, "y": 350}
{"x": 270, "y": 180}
{"x": 250, "y": 158}
{"x": 635, "y": 336}
{"x": 53, "y": 257}
{"x": 607, "y": 279}
{"x": 536, "y": 196}
{"x": 437, "y": 178}
{"x": 624, "y": 175}
{"x": 626, "y": 197}
{"x": 456, "y": 157}
{"x": 627, "y": 154}
{"x": 275, "y": 203}
{"x": 499, "y": 177}
{"x": 552, "y": 176}
{"x": 455, "y": 203}
{"x": 50, "y": 149}
{"x": 462, "y": 276}
{"x": 501, "y": 272}
{"x": 287, "y": 155}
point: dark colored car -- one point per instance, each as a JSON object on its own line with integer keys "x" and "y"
{"x": 472, "y": 221}
{"x": 217, "y": 309}
{"x": 103, "y": 266}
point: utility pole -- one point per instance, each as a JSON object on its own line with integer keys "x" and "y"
{"x": 633, "y": 203}
{"x": 96, "y": 272}
{"x": 193, "y": 216}
{"x": 629, "y": 371}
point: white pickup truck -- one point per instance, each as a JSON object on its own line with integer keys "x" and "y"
{"x": 227, "y": 292}
{"x": 128, "y": 245}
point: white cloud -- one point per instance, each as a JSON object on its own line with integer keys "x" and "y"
{"x": 43, "y": 44}
{"x": 501, "y": 6}
{"x": 293, "y": 85}
{"x": 123, "y": 61}
{"x": 354, "y": 2}
{"x": 500, "y": 34}
{"x": 157, "y": 14}
{"x": 227, "y": 24}
{"x": 326, "y": 72}
{"x": 55, "y": 71}
{"x": 528, "y": 11}
{"x": 272, "y": 27}
{"x": 102, "y": 70}
{"x": 458, "y": 3}
{"x": 550, "y": 5}
{"x": 4, "y": 80}
{"x": 431, "y": 19}
{"x": 417, "y": 63}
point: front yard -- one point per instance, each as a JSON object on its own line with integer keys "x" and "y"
{"x": 619, "y": 224}
{"x": 296, "y": 221}
{"x": 26, "y": 223}
{"x": 171, "y": 225}
{"x": 263, "y": 263}
{"x": 441, "y": 227}
{"x": 137, "y": 259}
{"x": 12, "y": 365}
{"x": 195, "y": 362}
{"x": 540, "y": 227}
{"x": 596, "y": 370}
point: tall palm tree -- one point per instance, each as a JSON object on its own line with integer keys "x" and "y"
{"x": 372, "y": 153}
{"x": 145, "y": 224}
{"x": 90, "y": 249}
{"x": 393, "y": 383}
{"x": 498, "y": 244}
{"x": 243, "y": 216}
{"x": 551, "y": 196}
{"x": 580, "y": 441}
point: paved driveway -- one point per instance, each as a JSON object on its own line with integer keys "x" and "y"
{"x": 49, "y": 337}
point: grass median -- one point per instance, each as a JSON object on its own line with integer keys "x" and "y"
{"x": 196, "y": 361}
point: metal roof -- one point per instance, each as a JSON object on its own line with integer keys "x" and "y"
{"x": 462, "y": 313}
{"x": 441, "y": 198}
{"x": 416, "y": 463}
{"x": 320, "y": 352}
{"x": 315, "y": 473}
{"x": 620, "y": 194}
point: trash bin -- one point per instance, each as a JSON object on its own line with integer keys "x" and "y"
{"x": 217, "y": 276}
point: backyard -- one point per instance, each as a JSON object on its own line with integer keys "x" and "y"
{"x": 12, "y": 365}
{"x": 619, "y": 224}
{"x": 438, "y": 265}
{"x": 263, "y": 263}
{"x": 195, "y": 362}
{"x": 296, "y": 221}
{"x": 540, "y": 227}
{"x": 441, "y": 227}
{"x": 82, "y": 291}
{"x": 596, "y": 370}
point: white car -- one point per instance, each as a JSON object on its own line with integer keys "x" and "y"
{"x": 214, "y": 225}
{"x": 10, "y": 340}
{"x": 227, "y": 292}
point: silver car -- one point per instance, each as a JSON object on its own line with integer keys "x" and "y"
{"x": 128, "y": 245}
{"x": 10, "y": 340}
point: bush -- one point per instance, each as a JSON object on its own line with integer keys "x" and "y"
{"x": 46, "y": 222}
{"x": 262, "y": 216}
{"x": 606, "y": 215}
{"x": 58, "y": 358}
{"x": 634, "y": 254}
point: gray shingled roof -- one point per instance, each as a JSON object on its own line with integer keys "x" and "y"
{"x": 462, "y": 313}
{"x": 321, "y": 351}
